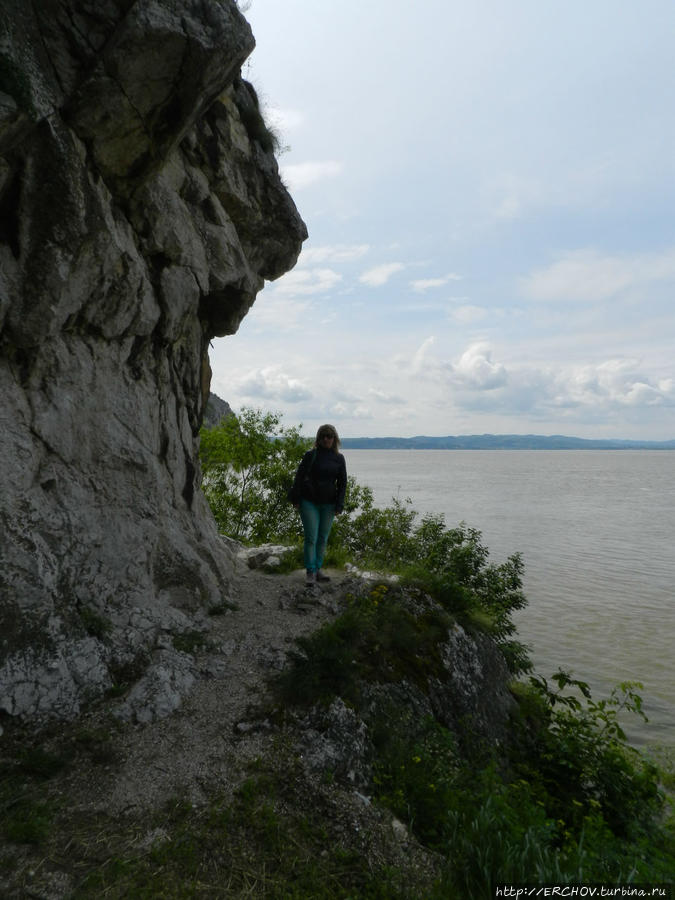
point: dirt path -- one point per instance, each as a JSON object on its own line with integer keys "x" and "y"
{"x": 211, "y": 737}
{"x": 121, "y": 807}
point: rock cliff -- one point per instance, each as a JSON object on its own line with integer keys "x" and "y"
{"x": 140, "y": 212}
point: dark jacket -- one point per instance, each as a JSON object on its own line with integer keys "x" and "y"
{"x": 327, "y": 473}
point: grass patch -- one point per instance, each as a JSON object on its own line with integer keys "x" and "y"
{"x": 415, "y": 772}
{"x": 26, "y": 811}
{"x": 377, "y": 638}
{"x": 28, "y": 820}
{"x": 258, "y": 844}
{"x": 225, "y": 606}
{"x": 39, "y": 763}
{"x": 97, "y": 744}
{"x": 290, "y": 561}
{"x": 95, "y": 624}
{"x": 567, "y": 800}
{"x": 125, "y": 674}
{"x": 189, "y": 641}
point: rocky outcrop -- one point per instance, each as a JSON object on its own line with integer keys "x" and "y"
{"x": 216, "y": 410}
{"x": 140, "y": 211}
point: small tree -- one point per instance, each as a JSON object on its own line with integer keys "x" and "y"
{"x": 248, "y": 462}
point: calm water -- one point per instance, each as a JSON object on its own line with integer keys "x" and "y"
{"x": 596, "y": 530}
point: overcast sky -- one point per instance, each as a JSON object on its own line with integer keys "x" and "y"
{"x": 489, "y": 191}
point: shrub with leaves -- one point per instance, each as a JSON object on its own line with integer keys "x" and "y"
{"x": 416, "y": 774}
{"x": 376, "y": 638}
{"x": 566, "y": 801}
{"x": 248, "y": 463}
{"x": 587, "y": 767}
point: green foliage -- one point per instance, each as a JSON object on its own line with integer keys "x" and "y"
{"x": 454, "y": 565}
{"x": 254, "y": 122}
{"x": 566, "y": 801}
{"x": 255, "y": 846}
{"x": 415, "y": 773}
{"x": 28, "y": 821}
{"x": 248, "y": 463}
{"x": 376, "y": 638}
{"x": 290, "y": 561}
{"x": 496, "y": 832}
{"x": 371, "y": 534}
{"x": 36, "y": 762}
{"x": 450, "y": 563}
{"x": 26, "y": 813}
{"x": 97, "y": 743}
{"x": 586, "y": 765}
{"x": 95, "y": 624}
{"x": 189, "y": 641}
{"x": 515, "y": 822}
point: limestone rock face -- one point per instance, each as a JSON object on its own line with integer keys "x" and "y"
{"x": 140, "y": 212}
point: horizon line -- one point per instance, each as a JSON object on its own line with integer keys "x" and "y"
{"x": 511, "y": 434}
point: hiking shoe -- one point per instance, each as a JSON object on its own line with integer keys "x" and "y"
{"x": 321, "y": 577}
{"x": 310, "y": 578}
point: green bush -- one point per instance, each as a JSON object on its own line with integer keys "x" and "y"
{"x": 586, "y": 767}
{"x": 248, "y": 463}
{"x": 376, "y": 638}
{"x": 497, "y": 833}
{"x": 415, "y": 773}
{"x": 566, "y": 801}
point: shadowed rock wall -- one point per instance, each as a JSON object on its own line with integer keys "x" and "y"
{"x": 140, "y": 211}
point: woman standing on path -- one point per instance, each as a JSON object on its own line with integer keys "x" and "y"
{"x": 319, "y": 493}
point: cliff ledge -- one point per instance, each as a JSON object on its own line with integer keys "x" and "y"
{"x": 140, "y": 211}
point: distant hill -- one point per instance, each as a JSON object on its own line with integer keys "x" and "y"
{"x": 500, "y": 442}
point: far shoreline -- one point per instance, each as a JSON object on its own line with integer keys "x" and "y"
{"x": 500, "y": 442}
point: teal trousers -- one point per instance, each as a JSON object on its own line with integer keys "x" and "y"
{"x": 317, "y": 519}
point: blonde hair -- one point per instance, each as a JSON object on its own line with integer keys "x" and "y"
{"x": 330, "y": 430}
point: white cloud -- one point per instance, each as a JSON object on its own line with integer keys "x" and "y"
{"x": 614, "y": 383}
{"x": 587, "y": 182}
{"x": 642, "y": 394}
{"x": 509, "y": 195}
{"x": 425, "y": 284}
{"x": 305, "y": 282}
{"x": 509, "y": 208}
{"x": 270, "y": 383}
{"x": 336, "y": 253}
{"x": 609, "y": 391}
{"x": 421, "y": 353}
{"x": 585, "y": 275}
{"x": 302, "y": 175}
{"x": 476, "y": 369}
{"x": 384, "y": 397}
{"x": 341, "y": 395}
{"x": 278, "y": 313}
{"x": 379, "y": 275}
{"x": 468, "y": 315}
{"x": 344, "y": 410}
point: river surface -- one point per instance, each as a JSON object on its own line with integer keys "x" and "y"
{"x": 597, "y": 533}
